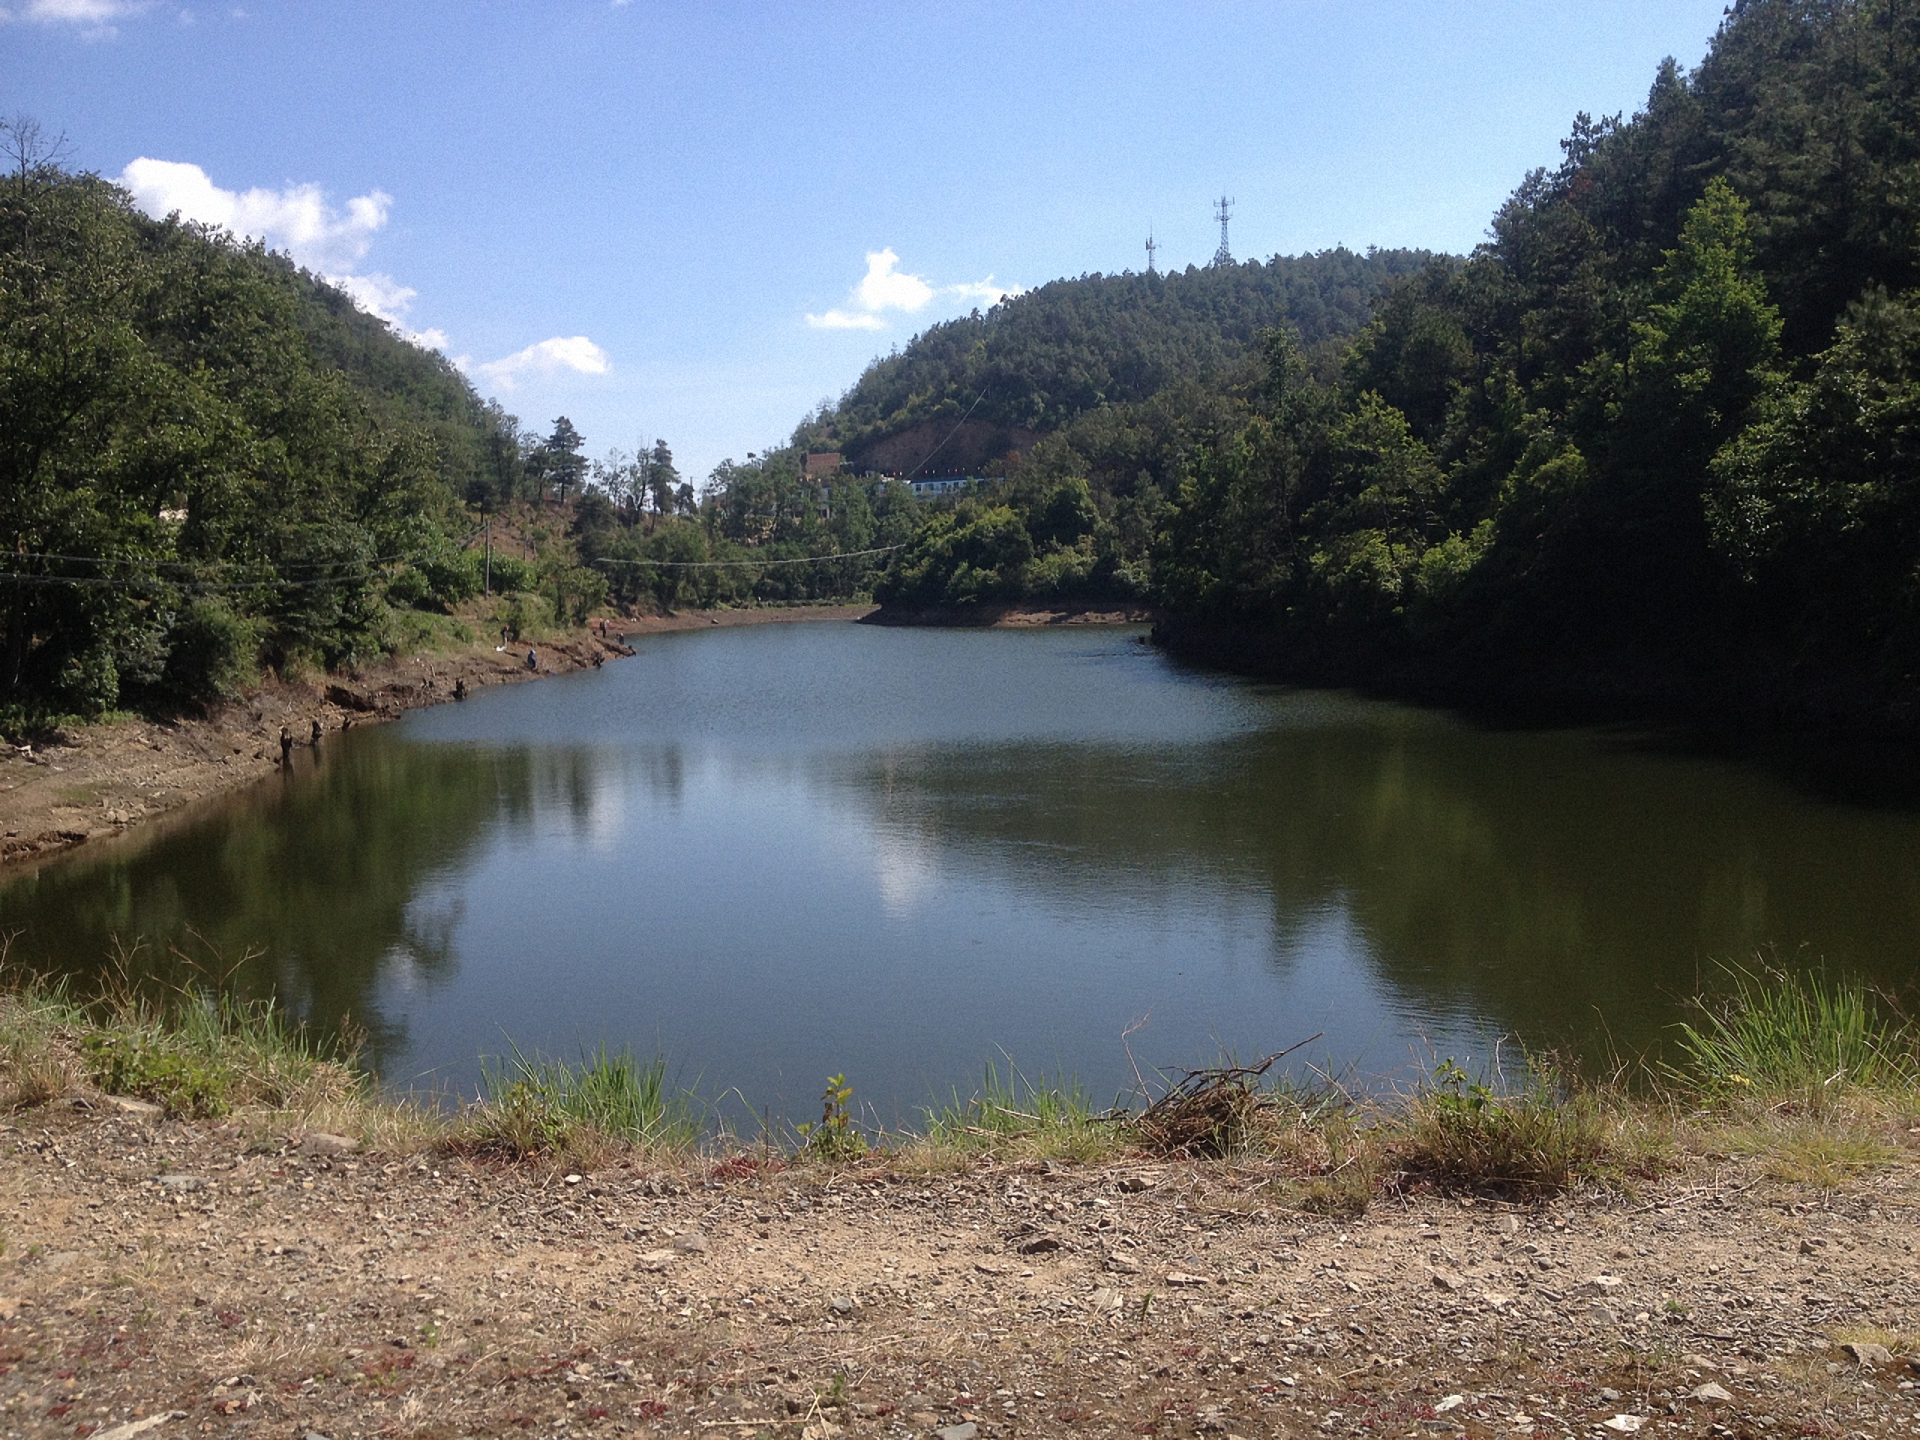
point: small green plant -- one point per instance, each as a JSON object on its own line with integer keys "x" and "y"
{"x": 833, "y": 1137}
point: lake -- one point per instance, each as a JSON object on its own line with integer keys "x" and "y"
{"x": 770, "y": 854}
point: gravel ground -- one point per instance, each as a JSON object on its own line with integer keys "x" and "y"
{"x": 199, "y": 1280}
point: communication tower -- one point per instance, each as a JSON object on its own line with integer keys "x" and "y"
{"x": 1151, "y": 248}
{"x": 1223, "y": 256}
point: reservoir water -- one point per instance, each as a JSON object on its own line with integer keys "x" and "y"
{"x": 770, "y": 854}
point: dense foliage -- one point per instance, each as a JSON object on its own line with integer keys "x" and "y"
{"x": 208, "y": 459}
{"x": 761, "y": 531}
{"x": 1660, "y": 434}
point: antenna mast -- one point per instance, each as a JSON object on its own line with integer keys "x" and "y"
{"x": 1151, "y": 248}
{"x": 1223, "y": 256}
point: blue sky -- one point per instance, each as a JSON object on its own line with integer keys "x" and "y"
{"x": 698, "y": 220}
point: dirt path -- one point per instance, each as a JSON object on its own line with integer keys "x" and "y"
{"x": 102, "y": 780}
{"x": 156, "y": 1269}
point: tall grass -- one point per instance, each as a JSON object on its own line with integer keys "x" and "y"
{"x": 532, "y": 1106}
{"x": 198, "y": 1050}
{"x": 1042, "y": 1118}
{"x": 1781, "y": 1035}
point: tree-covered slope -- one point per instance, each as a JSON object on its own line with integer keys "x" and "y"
{"x": 1035, "y": 362}
{"x": 1658, "y": 438}
{"x": 208, "y": 460}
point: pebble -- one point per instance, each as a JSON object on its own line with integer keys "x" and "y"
{"x": 655, "y": 1261}
{"x": 1135, "y": 1184}
{"x": 1107, "y": 1298}
{"x": 959, "y": 1432}
{"x": 1867, "y": 1353}
{"x": 139, "y": 1427}
{"x": 691, "y": 1243}
{"x": 841, "y": 1305}
{"x": 1625, "y": 1424}
{"x": 136, "y": 1109}
{"x": 1449, "y": 1280}
{"x": 1710, "y": 1393}
{"x": 1598, "y": 1314}
{"x": 1600, "y": 1285}
{"x": 181, "y": 1182}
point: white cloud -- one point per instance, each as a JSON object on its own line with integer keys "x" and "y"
{"x": 549, "y": 357}
{"x": 297, "y": 219}
{"x": 93, "y": 18}
{"x": 846, "y": 320}
{"x": 887, "y": 287}
{"x": 984, "y": 290}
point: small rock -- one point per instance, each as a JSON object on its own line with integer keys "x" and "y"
{"x": 820, "y": 1430}
{"x": 1710, "y": 1393}
{"x": 135, "y": 1109}
{"x": 691, "y": 1243}
{"x": 1451, "y": 1402}
{"x": 1609, "y": 1394}
{"x": 1052, "y": 1167}
{"x": 1181, "y": 1277}
{"x": 139, "y": 1427}
{"x": 181, "y": 1182}
{"x": 1599, "y": 1314}
{"x": 1625, "y": 1424}
{"x": 992, "y": 1267}
{"x": 1449, "y": 1280}
{"x": 1510, "y": 1225}
{"x": 1599, "y": 1285}
{"x": 572, "y": 1180}
{"x": 1135, "y": 1184}
{"x": 841, "y": 1305}
{"x": 1107, "y": 1298}
{"x": 959, "y": 1432}
{"x": 1867, "y": 1353}
{"x": 1039, "y": 1245}
{"x": 1121, "y": 1265}
{"x": 1495, "y": 1300}
{"x": 60, "y": 1259}
{"x": 654, "y": 1261}
{"x": 320, "y": 1145}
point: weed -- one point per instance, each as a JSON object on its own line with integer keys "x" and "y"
{"x": 834, "y": 1138}
{"x": 1537, "y": 1139}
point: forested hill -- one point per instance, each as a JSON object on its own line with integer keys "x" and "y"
{"x": 1035, "y": 362}
{"x": 1656, "y": 441}
{"x": 208, "y": 458}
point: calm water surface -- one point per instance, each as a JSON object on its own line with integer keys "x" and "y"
{"x": 772, "y": 853}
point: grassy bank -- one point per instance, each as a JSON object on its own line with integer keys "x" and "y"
{"x": 1816, "y": 1079}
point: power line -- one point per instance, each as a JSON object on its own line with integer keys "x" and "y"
{"x": 750, "y": 564}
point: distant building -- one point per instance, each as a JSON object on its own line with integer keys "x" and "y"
{"x": 946, "y": 485}
{"x": 827, "y": 462}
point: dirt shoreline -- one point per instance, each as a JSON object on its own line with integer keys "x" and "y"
{"x": 1018, "y": 617}
{"x": 201, "y": 1279}
{"x": 104, "y": 780}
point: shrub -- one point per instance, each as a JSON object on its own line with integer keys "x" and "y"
{"x": 212, "y": 652}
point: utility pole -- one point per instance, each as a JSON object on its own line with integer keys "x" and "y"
{"x": 1223, "y": 256}
{"x": 1151, "y": 248}
{"x": 487, "y": 587}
